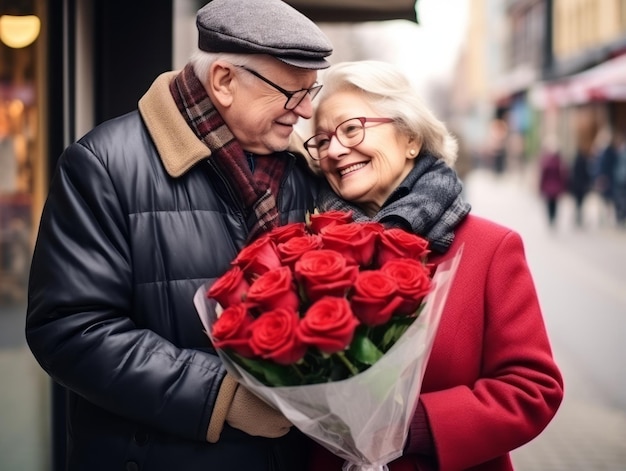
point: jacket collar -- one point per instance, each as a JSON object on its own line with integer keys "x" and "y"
{"x": 177, "y": 145}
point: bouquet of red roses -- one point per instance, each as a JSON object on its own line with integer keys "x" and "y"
{"x": 331, "y": 322}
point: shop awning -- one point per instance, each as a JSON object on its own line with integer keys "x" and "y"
{"x": 352, "y": 11}
{"x": 604, "y": 82}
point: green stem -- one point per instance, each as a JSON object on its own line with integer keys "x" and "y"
{"x": 368, "y": 332}
{"x": 349, "y": 365}
{"x": 298, "y": 372}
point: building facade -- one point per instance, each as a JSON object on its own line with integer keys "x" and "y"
{"x": 561, "y": 73}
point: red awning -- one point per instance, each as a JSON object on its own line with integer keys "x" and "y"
{"x": 604, "y": 82}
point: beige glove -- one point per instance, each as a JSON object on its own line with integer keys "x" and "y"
{"x": 246, "y": 412}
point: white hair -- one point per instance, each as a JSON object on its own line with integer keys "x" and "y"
{"x": 390, "y": 93}
{"x": 202, "y": 61}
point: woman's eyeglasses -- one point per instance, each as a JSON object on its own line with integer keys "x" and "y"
{"x": 350, "y": 133}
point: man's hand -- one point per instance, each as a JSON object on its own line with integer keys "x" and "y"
{"x": 255, "y": 417}
{"x": 244, "y": 411}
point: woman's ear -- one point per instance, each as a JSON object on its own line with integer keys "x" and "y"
{"x": 413, "y": 148}
{"x": 220, "y": 85}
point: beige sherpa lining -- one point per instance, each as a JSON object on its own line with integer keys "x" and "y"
{"x": 178, "y": 146}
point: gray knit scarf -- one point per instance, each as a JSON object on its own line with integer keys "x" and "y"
{"x": 428, "y": 203}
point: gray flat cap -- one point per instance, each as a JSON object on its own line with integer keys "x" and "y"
{"x": 262, "y": 27}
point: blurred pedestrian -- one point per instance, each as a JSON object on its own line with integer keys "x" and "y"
{"x": 619, "y": 184}
{"x": 604, "y": 169}
{"x": 496, "y": 147}
{"x": 580, "y": 181}
{"x": 552, "y": 180}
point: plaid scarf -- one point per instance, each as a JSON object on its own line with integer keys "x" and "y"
{"x": 428, "y": 202}
{"x": 253, "y": 190}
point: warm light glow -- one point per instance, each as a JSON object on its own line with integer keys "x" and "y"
{"x": 19, "y": 31}
{"x": 15, "y": 108}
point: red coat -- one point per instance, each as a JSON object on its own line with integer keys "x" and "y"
{"x": 491, "y": 384}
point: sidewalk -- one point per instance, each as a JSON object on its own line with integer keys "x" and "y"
{"x": 583, "y": 436}
{"x": 587, "y": 434}
{"x": 24, "y": 401}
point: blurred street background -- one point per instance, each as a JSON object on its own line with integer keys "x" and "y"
{"x": 520, "y": 82}
{"x": 580, "y": 275}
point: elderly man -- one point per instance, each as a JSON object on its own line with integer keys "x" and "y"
{"x": 143, "y": 210}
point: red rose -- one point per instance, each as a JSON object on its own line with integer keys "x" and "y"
{"x": 284, "y": 233}
{"x": 275, "y": 337}
{"x": 375, "y": 297}
{"x": 398, "y": 243}
{"x": 230, "y": 288}
{"x": 232, "y": 330}
{"x": 291, "y": 250}
{"x": 329, "y": 325}
{"x": 355, "y": 241}
{"x": 320, "y": 220}
{"x": 258, "y": 257}
{"x": 413, "y": 280}
{"x": 325, "y": 273}
{"x": 274, "y": 289}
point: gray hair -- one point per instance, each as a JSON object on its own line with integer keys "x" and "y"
{"x": 391, "y": 94}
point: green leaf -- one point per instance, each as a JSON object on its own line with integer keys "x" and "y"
{"x": 269, "y": 373}
{"x": 278, "y": 375}
{"x": 395, "y": 328}
{"x": 364, "y": 350}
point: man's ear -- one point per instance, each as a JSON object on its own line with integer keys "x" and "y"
{"x": 220, "y": 84}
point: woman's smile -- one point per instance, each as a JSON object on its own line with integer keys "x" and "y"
{"x": 343, "y": 171}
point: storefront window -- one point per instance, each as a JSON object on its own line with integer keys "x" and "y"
{"x": 18, "y": 135}
{"x": 24, "y": 395}
{"x": 17, "y": 122}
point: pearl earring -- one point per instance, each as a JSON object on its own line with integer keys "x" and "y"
{"x": 412, "y": 152}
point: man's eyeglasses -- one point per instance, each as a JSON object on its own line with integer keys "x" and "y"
{"x": 350, "y": 133}
{"x": 293, "y": 98}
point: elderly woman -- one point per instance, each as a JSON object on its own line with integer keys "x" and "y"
{"x": 491, "y": 384}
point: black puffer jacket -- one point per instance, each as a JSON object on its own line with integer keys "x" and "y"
{"x": 127, "y": 236}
